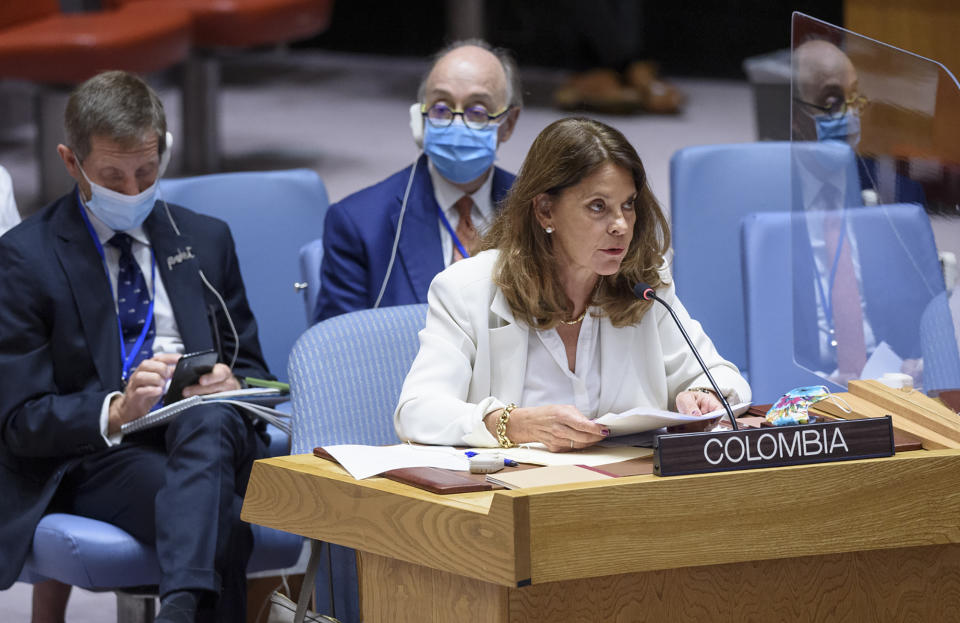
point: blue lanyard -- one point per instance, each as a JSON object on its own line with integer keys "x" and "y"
{"x": 453, "y": 234}
{"x": 125, "y": 360}
{"x": 827, "y": 300}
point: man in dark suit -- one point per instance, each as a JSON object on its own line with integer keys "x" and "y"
{"x": 100, "y": 293}
{"x": 384, "y": 244}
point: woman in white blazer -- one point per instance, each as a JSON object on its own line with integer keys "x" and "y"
{"x": 536, "y": 336}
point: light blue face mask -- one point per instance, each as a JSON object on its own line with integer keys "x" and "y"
{"x": 118, "y": 211}
{"x": 460, "y": 154}
{"x": 845, "y": 128}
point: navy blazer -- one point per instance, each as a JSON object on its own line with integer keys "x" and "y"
{"x": 60, "y": 349}
{"x": 358, "y": 238}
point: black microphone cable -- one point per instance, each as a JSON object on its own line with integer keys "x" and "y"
{"x": 645, "y": 292}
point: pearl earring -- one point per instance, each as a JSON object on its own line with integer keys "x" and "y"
{"x": 548, "y": 229}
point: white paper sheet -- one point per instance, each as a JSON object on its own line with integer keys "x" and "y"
{"x": 883, "y": 360}
{"x": 647, "y": 418}
{"x": 365, "y": 461}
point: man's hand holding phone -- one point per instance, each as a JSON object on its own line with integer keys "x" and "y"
{"x": 195, "y": 374}
{"x": 144, "y": 389}
{"x": 219, "y": 379}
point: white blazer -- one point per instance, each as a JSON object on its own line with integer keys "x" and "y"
{"x": 473, "y": 357}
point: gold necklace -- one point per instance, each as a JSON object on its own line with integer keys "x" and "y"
{"x": 580, "y": 318}
{"x": 577, "y": 320}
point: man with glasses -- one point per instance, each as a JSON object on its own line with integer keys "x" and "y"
{"x": 384, "y": 244}
{"x": 827, "y": 95}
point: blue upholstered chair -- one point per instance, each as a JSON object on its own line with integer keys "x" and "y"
{"x": 271, "y": 215}
{"x": 346, "y": 373}
{"x": 712, "y": 187}
{"x": 345, "y": 378}
{"x": 311, "y": 256}
{"x": 900, "y": 277}
{"x": 938, "y": 344}
{"x": 99, "y": 556}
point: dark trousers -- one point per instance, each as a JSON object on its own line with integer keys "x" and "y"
{"x": 181, "y": 487}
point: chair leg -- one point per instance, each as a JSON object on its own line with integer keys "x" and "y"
{"x": 135, "y": 608}
{"x": 201, "y": 130}
{"x": 309, "y": 577}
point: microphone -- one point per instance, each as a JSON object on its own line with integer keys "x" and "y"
{"x": 645, "y": 292}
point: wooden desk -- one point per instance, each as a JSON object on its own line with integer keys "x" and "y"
{"x": 869, "y": 540}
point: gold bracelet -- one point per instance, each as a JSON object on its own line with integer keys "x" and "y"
{"x": 502, "y": 438}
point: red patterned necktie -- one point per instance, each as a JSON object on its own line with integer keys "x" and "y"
{"x": 466, "y": 232}
{"x": 845, "y": 300}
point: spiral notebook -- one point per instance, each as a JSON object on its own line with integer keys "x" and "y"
{"x": 246, "y": 399}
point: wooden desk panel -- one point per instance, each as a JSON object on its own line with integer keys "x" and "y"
{"x": 318, "y": 499}
{"x": 906, "y": 500}
{"x": 869, "y": 540}
{"x": 895, "y": 585}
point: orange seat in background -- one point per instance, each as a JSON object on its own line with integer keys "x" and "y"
{"x": 40, "y": 44}
{"x": 249, "y": 23}
{"x": 221, "y": 25}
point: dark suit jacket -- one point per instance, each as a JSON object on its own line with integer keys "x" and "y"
{"x": 358, "y": 238}
{"x": 60, "y": 351}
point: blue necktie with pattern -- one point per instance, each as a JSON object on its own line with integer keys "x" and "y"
{"x": 133, "y": 301}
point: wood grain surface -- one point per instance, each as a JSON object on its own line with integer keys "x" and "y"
{"x": 910, "y": 405}
{"x": 472, "y": 534}
{"x": 863, "y": 408}
{"x": 895, "y": 585}
{"x": 623, "y": 525}
{"x": 394, "y": 591}
{"x": 912, "y": 584}
{"x": 648, "y": 523}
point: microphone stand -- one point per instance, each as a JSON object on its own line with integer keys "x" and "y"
{"x": 642, "y": 290}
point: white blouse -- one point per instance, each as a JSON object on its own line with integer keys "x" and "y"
{"x": 548, "y": 379}
{"x": 475, "y": 356}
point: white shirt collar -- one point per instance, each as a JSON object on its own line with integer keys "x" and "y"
{"x": 447, "y": 194}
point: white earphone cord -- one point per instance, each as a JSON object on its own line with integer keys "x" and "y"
{"x": 396, "y": 237}
{"x": 223, "y": 305}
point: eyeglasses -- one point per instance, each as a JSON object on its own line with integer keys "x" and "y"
{"x": 837, "y": 108}
{"x": 475, "y": 117}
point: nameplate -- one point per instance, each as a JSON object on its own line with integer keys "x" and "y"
{"x": 720, "y": 451}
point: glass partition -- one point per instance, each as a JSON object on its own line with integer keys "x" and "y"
{"x": 875, "y": 158}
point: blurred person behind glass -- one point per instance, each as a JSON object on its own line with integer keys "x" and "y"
{"x": 830, "y": 106}
{"x": 541, "y": 333}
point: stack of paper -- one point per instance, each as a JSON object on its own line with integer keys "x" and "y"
{"x": 543, "y": 476}
{"x": 644, "y": 419}
{"x": 365, "y": 461}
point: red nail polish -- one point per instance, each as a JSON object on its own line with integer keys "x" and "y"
{"x": 605, "y": 432}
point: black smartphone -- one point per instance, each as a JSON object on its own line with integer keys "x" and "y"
{"x": 189, "y": 369}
